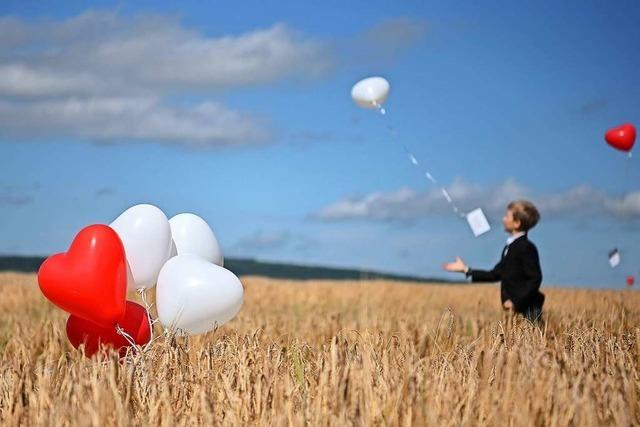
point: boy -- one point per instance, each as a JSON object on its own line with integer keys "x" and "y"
{"x": 519, "y": 268}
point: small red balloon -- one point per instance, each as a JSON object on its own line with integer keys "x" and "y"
{"x": 90, "y": 279}
{"x": 622, "y": 137}
{"x": 135, "y": 323}
{"x": 630, "y": 280}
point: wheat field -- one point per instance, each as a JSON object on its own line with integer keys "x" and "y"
{"x": 337, "y": 353}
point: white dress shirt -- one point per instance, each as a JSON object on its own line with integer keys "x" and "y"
{"x": 512, "y": 239}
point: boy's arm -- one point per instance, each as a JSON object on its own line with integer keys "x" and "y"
{"x": 493, "y": 275}
{"x": 533, "y": 274}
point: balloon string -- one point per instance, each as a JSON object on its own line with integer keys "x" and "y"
{"x": 120, "y": 331}
{"x": 143, "y": 296}
{"x": 379, "y": 107}
{"x": 428, "y": 175}
{"x": 625, "y": 191}
{"x": 627, "y": 168}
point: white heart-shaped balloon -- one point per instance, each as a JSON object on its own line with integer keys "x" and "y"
{"x": 146, "y": 235}
{"x": 370, "y": 92}
{"x": 194, "y": 296}
{"x": 192, "y": 235}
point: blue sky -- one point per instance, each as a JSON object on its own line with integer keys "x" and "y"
{"x": 241, "y": 113}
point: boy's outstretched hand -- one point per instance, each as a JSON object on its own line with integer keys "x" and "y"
{"x": 457, "y": 266}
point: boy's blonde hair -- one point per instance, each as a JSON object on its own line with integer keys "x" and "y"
{"x": 525, "y": 212}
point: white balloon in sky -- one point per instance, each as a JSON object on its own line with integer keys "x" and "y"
{"x": 192, "y": 235}
{"x": 371, "y": 92}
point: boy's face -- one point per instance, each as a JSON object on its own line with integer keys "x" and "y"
{"x": 510, "y": 224}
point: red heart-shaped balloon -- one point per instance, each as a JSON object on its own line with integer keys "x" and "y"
{"x": 135, "y": 323}
{"x": 90, "y": 279}
{"x": 621, "y": 138}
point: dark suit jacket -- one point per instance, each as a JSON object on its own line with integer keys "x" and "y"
{"x": 519, "y": 273}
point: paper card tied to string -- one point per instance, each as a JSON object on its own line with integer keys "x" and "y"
{"x": 478, "y": 222}
{"x": 614, "y": 258}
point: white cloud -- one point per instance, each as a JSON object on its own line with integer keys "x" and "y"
{"x": 20, "y": 80}
{"x": 100, "y": 75}
{"x": 396, "y": 33}
{"x": 406, "y": 204}
{"x": 628, "y": 206}
{"x": 105, "y": 118}
{"x": 382, "y": 206}
{"x": 384, "y": 42}
{"x": 104, "y": 53}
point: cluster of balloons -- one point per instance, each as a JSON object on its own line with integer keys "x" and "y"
{"x": 142, "y": 248}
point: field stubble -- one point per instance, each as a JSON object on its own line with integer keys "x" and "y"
{"x": 337, "y": 353}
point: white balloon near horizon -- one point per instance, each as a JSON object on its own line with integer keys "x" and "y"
{"x": 146, "y": 236}
{"x": 192, "y": 235}
{"x": 194, "y": 296}
{"x": 371, "y": 92}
